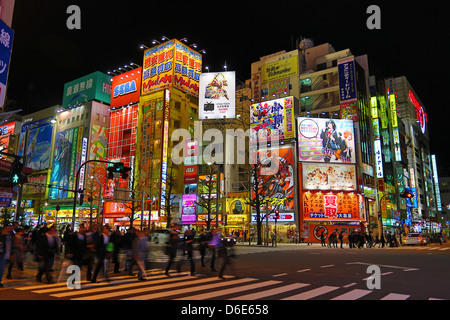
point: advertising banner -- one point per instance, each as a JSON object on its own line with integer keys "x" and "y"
{"x": 6, "y": 43}
{"x": 349, "y": 111}
{"x": 189, "y": 208}
{"x": 126, "y": 88}
{"x": 279, "y": 87}
{"x": 94, "y": 86}
{"x": 39, "y": 143}
{"x": 279, "y": 69}
{"x": 190, "y": 174}
{"x": 278, "y": 186}
{"x": 272, "y": 120}
{"x": 5, "y": 131}
{"x": 347, "y": 80}
{"x": 326, "y": 140}
{"x": 217, "y": 95}
{"x": 320, "y": 176}
{"x": 330, "y": 207}
{"x": 171, "y": 63}
{"x": 65, "y": 162}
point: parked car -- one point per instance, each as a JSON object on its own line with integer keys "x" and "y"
{"x": 415, "y": 238}
{"x": 160, "y": 235}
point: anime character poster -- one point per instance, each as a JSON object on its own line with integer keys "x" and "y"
{"x": 277, "y": 186}
{"x": 217, "y": 95}
{"x": 272, "y": 120}
{"x": 61, "y": 165}
{"x": 326, "y": 140}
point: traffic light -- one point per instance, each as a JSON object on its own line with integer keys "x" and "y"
{"x": 125, "y": 172}
{"x": 118, "y": 167}
{"x": 406, "y": 194}
{"x": 277, "y": 214}
{"x": 15, "y": 174}
{"x": 379, "y": 216}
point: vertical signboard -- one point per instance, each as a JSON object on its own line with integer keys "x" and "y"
{"x": 347, "y": 80}
{"x": 189, "y": 208}
{"x": 6, "y": 43}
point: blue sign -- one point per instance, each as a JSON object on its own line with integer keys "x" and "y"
{"x": 347, "y": 80}
{"x": 6, "y": 42}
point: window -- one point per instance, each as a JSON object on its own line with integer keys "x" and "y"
{"x": 78, "y": 118}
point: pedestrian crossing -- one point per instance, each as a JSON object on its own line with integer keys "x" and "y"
{"x": 182, "y": 286}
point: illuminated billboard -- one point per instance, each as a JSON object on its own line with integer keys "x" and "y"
{"x": 171, "y": 64}
{"x": 217, "y": 95}
{"x": 126, "y": 88}
{"x": 94, "y": 86}
{"x": 321, "y": 176}
{"x": 189, "y": 208}
{"x": 347, "y": 80}
{"x": 278, "y": 186}
{"x": 326, "y": 140}
{"x": 272, "y": 120}
{"x": 280, "y": 69}
{"x": 321, "y": 206}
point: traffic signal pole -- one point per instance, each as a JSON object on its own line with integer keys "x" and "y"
{"x": 77, "y": 181}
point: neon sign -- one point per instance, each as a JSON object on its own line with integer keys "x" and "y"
{"x": 421, "y": 115}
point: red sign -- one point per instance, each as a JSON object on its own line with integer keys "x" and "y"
{"x": 190, "y": 174}
{"x": 421, "y": 115}
{"x": 117, "y": 209}
{"x": 126, "y": 88}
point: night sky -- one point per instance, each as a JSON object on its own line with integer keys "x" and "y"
{"x": 413, "y": 41}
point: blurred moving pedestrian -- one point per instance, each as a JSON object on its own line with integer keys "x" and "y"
{"x": 203, "y": 245}
{"x": 17, "y": 252}
{"x": 47, "y": 247}
{"x": 189, "y": 238}
{"x": 116, "y": 239}
{"x": 100, "y": 250}
{"x": 171, "y": 249}
{"x": 225, "y": 253}
{"x": 341, "y": 238}
{"x": 214, "y": 244}
{"x": 5, "y": 249}
{"x": 127, "y": 242}
{"x": 140, "y": 253}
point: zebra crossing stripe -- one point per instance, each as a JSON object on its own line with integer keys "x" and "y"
{"x": 311, "y": 293}
{"x": 270, "y": 292}
{"x": 214, "y": 294}
{"x": 353, "y": 295}
{"x": 218, "y": 283}
{"x": 395, "y": 296}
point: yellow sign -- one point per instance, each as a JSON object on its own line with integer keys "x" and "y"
{"x": 393, "y": 108}
{"x": 171, "y": 64}
{"x": 279, "y": 69}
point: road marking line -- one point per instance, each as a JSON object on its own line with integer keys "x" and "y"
{"x": 223, "y": 292}
{"x": 304, "y": 270}
{"x": 396, "y": 296}
{"x": 443, "y": 249}
{"x": 386, "y": 266}
{"x": 431, "y": 249}
{"x": 271, "y": 292}
{"x": 353, "y": 295}
{"x": 350, "y": 285}
{"x": 311, "y": 293}
{"x": 328, "y": 266}
{"x": 166, "y": 294}
{"x": 435, "y": 299}
{"x": 280, "y": 275}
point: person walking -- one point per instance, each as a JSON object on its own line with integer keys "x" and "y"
{"x": 322, "y": 239}
{"x": 48, "y": 246}
{"x": 203, "y": 245}
{"x": 100, "y": 251}
{"x": 171, "y": 250}
{"x": 341, "y": 238}
{"x": 214, "y": 244}
{"x": 5, "y": 249}
{"x": 116, "y": 240}
{"x": 188, "y": 249}
{"x": 17, "y": 253}
{"x": 139, "y": 252}
{"x": 225, "y": 252}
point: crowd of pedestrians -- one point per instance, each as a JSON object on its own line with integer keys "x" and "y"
{"x": 358, "y": 239}
{"x": 96, "y": 251}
